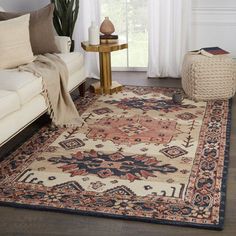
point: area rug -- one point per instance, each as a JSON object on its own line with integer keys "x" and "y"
{"x": 140, "y": 157}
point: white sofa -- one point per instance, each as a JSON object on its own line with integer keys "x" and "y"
{"x": 21, "y": 99}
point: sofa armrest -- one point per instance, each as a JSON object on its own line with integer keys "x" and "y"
{"x": 63, "y": 43}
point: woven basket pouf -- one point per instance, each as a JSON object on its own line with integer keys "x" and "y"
{"x": 208, "y": 78}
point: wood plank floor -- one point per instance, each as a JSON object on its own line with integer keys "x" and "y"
{"x": 24, "y": 222}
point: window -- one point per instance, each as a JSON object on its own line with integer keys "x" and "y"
{"x": 130, "y": 20}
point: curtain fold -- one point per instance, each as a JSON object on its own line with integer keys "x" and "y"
{"x": 169, "y": 31}
{"x": 89, "y": 11}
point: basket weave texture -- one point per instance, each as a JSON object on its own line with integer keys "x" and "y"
{"x": 208, "y": 78}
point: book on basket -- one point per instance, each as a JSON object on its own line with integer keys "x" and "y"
{"x": 211, "y": 51}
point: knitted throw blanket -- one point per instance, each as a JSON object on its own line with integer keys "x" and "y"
{"x": 55, "y": 78}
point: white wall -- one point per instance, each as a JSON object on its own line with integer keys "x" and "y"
{"x": 23, "y": 5}
{"x": 214, "y": 24}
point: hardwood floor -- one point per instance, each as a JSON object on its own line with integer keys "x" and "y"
{"x": 25, "y": 222}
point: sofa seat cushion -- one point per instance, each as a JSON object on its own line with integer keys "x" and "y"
{"x": 25, "y": 84}
{"x": 74, "y": 61}
{"x": 9, "y": 102}
{"x": 10, "y": 125}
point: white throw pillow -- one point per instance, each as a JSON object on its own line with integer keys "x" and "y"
{"x": 1, "y": 9}
{"x": 15, "y": 47}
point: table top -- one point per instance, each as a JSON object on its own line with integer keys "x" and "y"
{"x": 104, "y": 47}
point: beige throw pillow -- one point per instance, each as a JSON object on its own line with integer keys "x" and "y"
{"x": 15, "y": 47}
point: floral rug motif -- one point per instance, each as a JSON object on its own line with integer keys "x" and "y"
{"x": 140, "y": 157}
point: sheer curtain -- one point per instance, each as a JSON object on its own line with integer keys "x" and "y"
{"x": 169, "y": 26}
{"x": 89, "y": 11}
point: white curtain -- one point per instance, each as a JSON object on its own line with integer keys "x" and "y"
{"x": 89, "y": 11}
{"x": 169, "y": 29}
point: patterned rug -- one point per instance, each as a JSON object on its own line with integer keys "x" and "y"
{"x": 140, "y": 157}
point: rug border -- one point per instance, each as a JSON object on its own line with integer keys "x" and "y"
{"x": 219, "y": 226}
{"x": 226, "y": 166}
{"x": 111, "y": 216}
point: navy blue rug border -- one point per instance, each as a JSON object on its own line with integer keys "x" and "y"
{"x": 111, "y": 216}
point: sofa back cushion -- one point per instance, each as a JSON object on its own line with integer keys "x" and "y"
{"x": 41, "y": 29}
{"x": 15, "y": 47}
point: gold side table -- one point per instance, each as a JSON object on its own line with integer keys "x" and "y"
{"x": 106, "y": 85}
